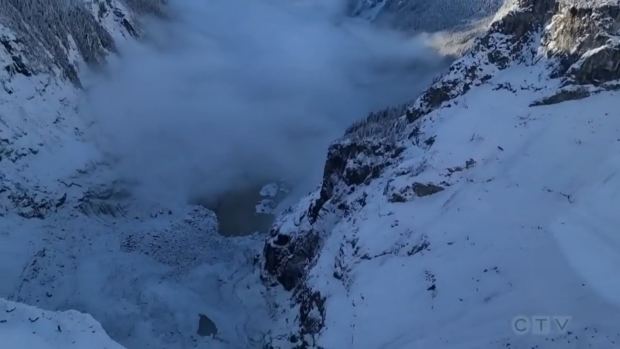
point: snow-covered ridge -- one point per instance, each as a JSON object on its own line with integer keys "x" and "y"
{"x": 390, "y": 251}
{"x": 23, "y": 326}
{"x": 42, "y": 45}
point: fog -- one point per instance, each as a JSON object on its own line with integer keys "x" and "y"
{"x": 230, "y": 93}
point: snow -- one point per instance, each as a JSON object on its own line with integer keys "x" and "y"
{"x": 144, "y": 269}
{"x": 23, "y": 326}
{"x": 145, "y": 280}
{"x": 528, "y": 230}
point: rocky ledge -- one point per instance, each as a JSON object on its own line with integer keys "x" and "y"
{"x": 574, "y": 42}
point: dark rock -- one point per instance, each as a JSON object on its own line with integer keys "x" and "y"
{"x": 422, "y": 190}
{"x": 18, "y": 67}
{"x": 311, "y": 311}
{"x": 353, "y": 162}
{"x": 61, "y": 201}
{"x": 206, "y": 326}
{"x": 468, "y": 164}
{"x": 424, "y": 245}
{"x": 407, "y": 192}
{"x": 129, "y": 27}
{"x": 29, "y": 205}
{"x": 94, "y": 208}
{"x": 563, "y": 95}
{"x": 104, "y": 201}
{"x": 582, "y": 41}
{"x": 576, "y": 92}
{"x": 287, "y": 262}
{"x": 599, "y": 67}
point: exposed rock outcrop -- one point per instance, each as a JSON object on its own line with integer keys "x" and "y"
{"x": 32, "y": 327}
{"x": 350, "y": 163}
{"x": 512, "y": 38}
{"x": 583, "y": 37}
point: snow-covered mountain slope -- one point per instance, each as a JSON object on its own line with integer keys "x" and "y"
{"x": 24, "y": 326}
{"x": 73, "y": 235}
{"x": 486, "y": 203}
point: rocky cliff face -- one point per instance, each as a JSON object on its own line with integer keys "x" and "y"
{"x": 571, "y": 46}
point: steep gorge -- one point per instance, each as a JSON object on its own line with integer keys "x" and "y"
{"x": 435, "y": 221}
